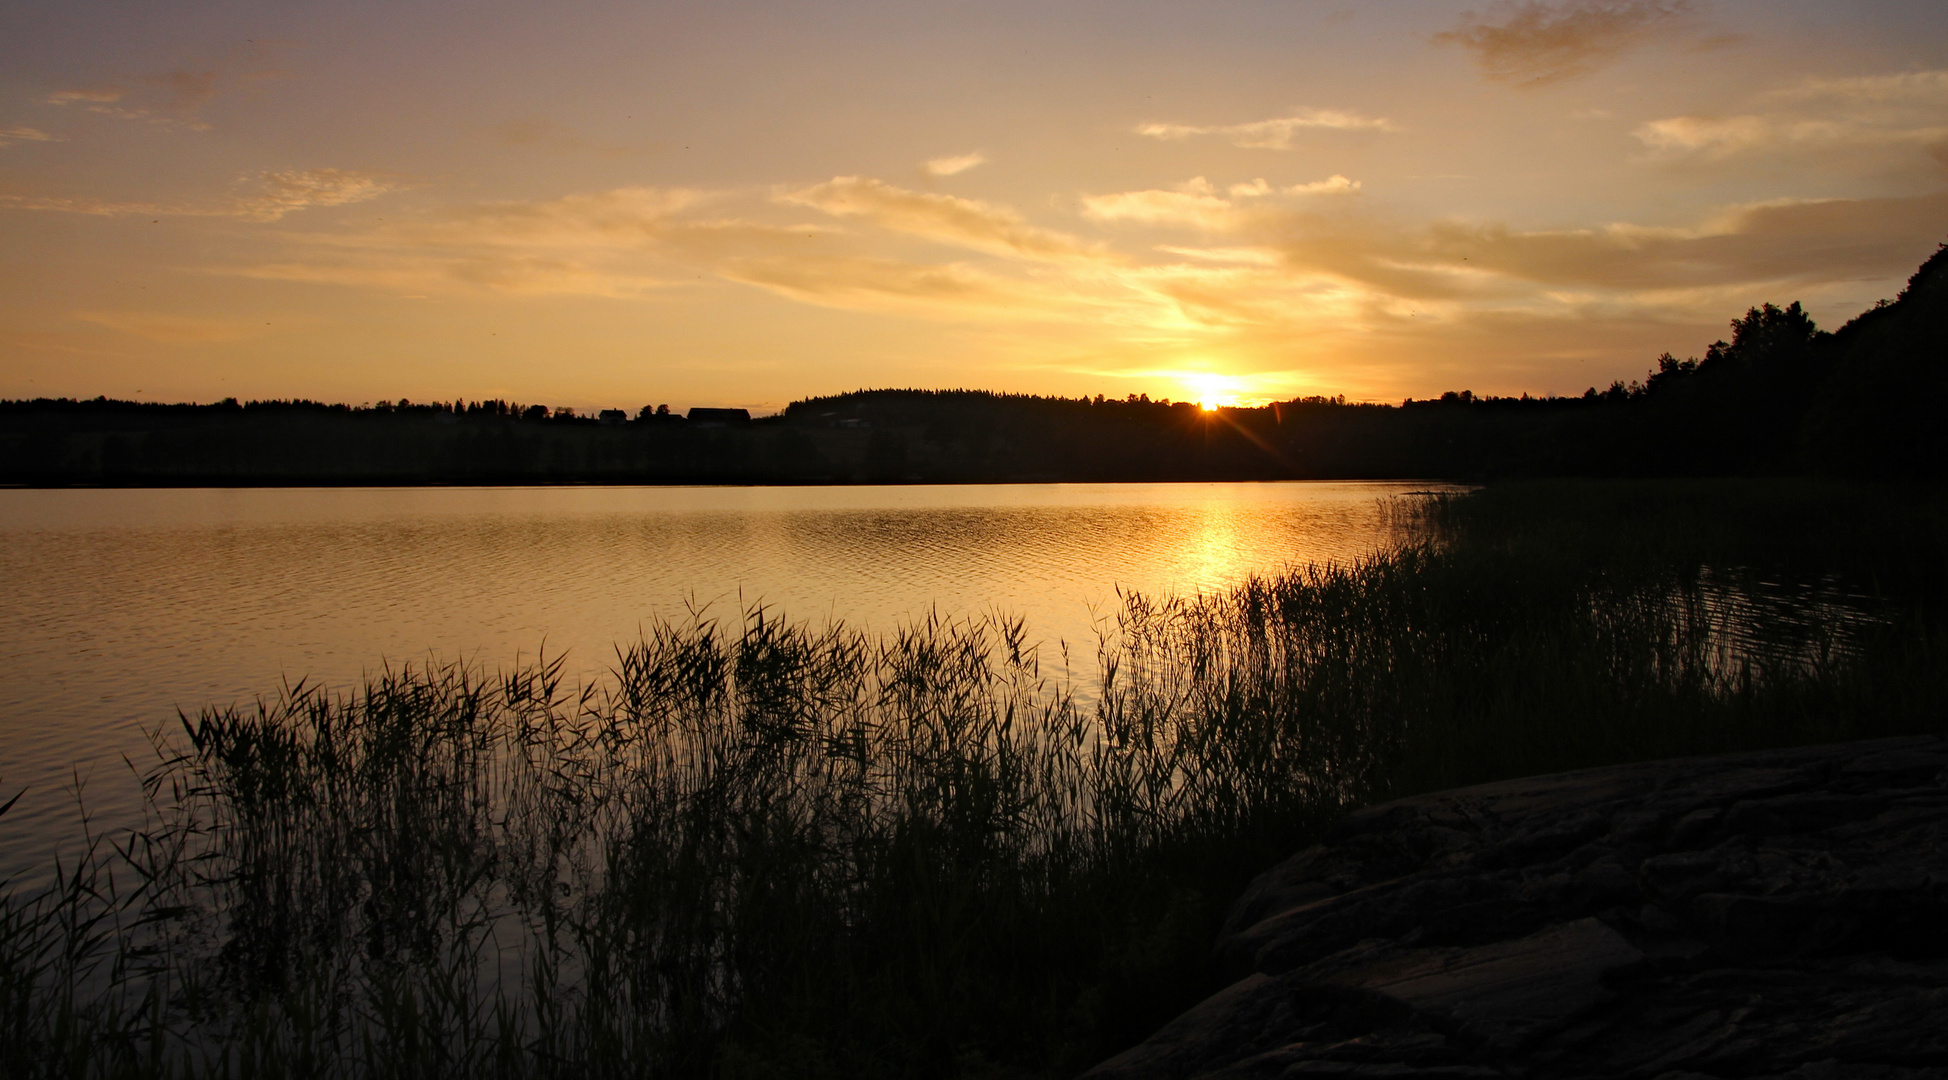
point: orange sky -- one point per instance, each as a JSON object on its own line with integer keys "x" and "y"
{"x": 607, "y": 204}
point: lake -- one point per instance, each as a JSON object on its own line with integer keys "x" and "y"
{"x": 124, "y": 605}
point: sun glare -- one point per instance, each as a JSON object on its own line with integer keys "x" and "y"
{"x": 1211, "y": 390}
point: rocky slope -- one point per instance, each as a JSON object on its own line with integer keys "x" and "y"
{"x": 1772, "y": 914}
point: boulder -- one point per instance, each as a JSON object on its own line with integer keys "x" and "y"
{"x": 1774, "y": 914}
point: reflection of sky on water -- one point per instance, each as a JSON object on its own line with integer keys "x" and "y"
{"x": 1757, "y": 619}
{"x": 123, "y": 605}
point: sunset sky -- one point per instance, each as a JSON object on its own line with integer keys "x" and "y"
{"x": 609, "y": 204}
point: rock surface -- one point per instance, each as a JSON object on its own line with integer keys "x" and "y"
{"x": 1757, "y": 915}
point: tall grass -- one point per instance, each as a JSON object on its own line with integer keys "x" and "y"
{"x": 773, "y": 849}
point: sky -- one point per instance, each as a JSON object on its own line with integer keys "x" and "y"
{"x": 596, "y": 204}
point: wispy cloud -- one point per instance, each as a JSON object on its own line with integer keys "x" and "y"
{"x": 268, "y": 196}
{"x": 950, "y": 166}
{"x": 1928, "y": 89}
{"x": 1197, "y": 203}
{"x": 10, "y": 135}
{"x": 108, "y": 101}
{"x": 1779, "y": 242}
{"x": 1194, "y": 203}
{"x": 288, "y": 191}
{"x": 629, "y": 242}
{"x": 619, "y": 217}
{"x": 1880, "y": 120}
{"x": 1331, "y": 185}
{"x": 1301, "y": 270}
{"x": 1248, "y": 255}
{"x": 173, "y": 98}
{"x": 169, "y": 101}
{"x": 1274, "y": 134}
{"x": 413, "y": 274}
{"x": 1492, "y": 266}
{"x": 81, "y": 204}
{"x": 872, "y": 283}
{"x": 593, "y": 244}
{"x": 171, "y": 108}
{"x": 1715, "y": 135}
{"x": 1533, "y": 43}
{"x": 87, "y": 95}
{"x": 946, "y": 219}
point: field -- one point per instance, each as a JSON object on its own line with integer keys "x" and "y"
{"x": 767, "y": 849}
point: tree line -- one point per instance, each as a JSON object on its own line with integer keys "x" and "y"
{"x": 1781, "y": 396}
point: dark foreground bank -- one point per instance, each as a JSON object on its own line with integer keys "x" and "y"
{"x": 1756, "y": 915}
{"x": 765, "y": 850}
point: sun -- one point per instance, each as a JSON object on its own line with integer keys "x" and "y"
{"x": 1211, "y": 390}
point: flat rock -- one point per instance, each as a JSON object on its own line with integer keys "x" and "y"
{"x": 1778, "y": 914}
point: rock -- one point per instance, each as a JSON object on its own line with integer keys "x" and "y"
{"x": 1779, "y": 914}
{"x": 1499, "y": 992}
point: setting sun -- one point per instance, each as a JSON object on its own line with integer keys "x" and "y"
{"x": 1211, "y": 390}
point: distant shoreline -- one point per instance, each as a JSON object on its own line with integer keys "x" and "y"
{"x": 275, "y": 484}
{"x": 1782, "y": 398}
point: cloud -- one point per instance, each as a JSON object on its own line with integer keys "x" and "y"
{"x": 96, "y": 95}
{"x": 1781, "y": 242}
{"x": 179, "y": 97}
{"x": 581, "y": 245}
{"x": 949, "y": 166}
{"x": 288, "y": 191}
{"x": 1251, "y": 256}
{"x": 105, "y": 101}
{"x": 1331, "y": 185}
{"x": 1717, "y": 136}
{"x": 1492, "y": 266}
{"x": 81, "y": 204}
{"x": 1193, "y": 204}
{"x": 1305, "y": 270}
{"x": 628, "y": 217}
{"x": 1535, "y": 44}
{"x": 414, "y": 274}
{"x": 172, "y": 99}
{"x": 276, "y": 193}
{"x": 877, "y": 283}
{"x": 12, "y": 135}
{"x": 946, "y": 219}
{"x": 1724, "y": 137}
{"x": 1924, "y": 88}
{"x": 629, "y": 242}
{"x": 1276, "y": 134}
{"x": 1879, "y": 120}
{"x": 1196, "y": 203}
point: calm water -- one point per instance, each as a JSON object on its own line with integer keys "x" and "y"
{"x": 122, "y": 606}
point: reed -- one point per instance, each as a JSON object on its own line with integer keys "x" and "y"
{"x": 776, "y": 849}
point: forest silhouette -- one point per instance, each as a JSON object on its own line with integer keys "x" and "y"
{"x": 1781, "y": 397}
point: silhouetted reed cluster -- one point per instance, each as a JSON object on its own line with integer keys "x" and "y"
{"x": 765, "y": 848}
